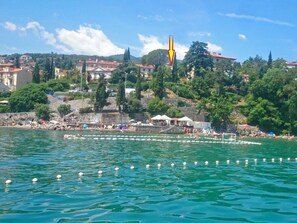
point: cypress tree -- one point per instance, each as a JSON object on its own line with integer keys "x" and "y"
{"x": 269, "y": 63}
{"x": 36, "y": 77}
{"x": 47, "y": 70}
{"x": 101, "y": 94}
{"x": 84, "y": 67}
{"x": 138, "y": 86}
{"x": 126, "y": 57}
{"x": 121, "y": 97}
{"x": 174, "y": 69}
{"x": 17, "y": 61}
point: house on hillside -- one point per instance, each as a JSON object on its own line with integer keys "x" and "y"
{"x": 15, "y": 78}
{"x": 25, "y": 58}
{"x": 92, "y": 64}
{"x": 146, "y": 69}
{"x": 217, "y": 57}
{"x": 291, "y": 64}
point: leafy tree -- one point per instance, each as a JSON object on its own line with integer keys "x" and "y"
{"x": 254, "y": 67}
{"x": 42, "y": 111}
{"x": 156, "y": 106}
{"x": 58, "y": 85}
{"x": 200, "y": 87}
{"x": 36, "y": 76}
{"x": 52, "y": 69}
{"x": 24, "y": 99}
{"x": 133, "y": 105}
{"x": 138, "y": 86}
{"x": 219, "y": 109}
{"x": 174, "y": 112}
{"x": 174, "y": 69}
{"x": 101, "y": 94}
{"x": 64, "y": 109}
{"x": 155, "y": 57}
{"x": 198, "y": 59}
{"x": 121, "y": 97}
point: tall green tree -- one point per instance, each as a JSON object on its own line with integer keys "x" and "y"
{"x": 138, "y": 85}
{"x": 47, "y": 70}
{"x": 121, "y": 97}
{"x": 155, "y": 57}
{"x": 269, "y": 63}
{"x": 17, "y": 61}
{"x": 174, "y": 69}
{"x": 197, "y": 59}
{"x": 36, "y": 75}
{"x": 52, "y": 69}
{"x": 101, "y": 94}
{"x": 126, "y": 57}
{"x": 158, "y": 87}
{"x": 84, "y": 67}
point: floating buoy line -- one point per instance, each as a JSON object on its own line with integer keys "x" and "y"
{"x": 159, "y": 138}
{"x": 183, "y": 165}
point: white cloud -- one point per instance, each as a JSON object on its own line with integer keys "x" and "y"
{"x": 256, "y": 18}
{"x": 214, "y": 48}
{"x": 242, "y": 36}
{"x": 158, "y": 18}
{"x": 151, "y": 43}
{"x": 87, "y": 40}
{"x": 9, "y": 26}
{"x": 199, "y": 34}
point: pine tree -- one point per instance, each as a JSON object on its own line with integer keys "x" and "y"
{"x": 101, "y": 94}
{"x": 84, "y": 67}
{"x": 138, "y": 86}
{"x": 174, "y": 69}
{"x": 121, "y": 97}
{"x": 52, "y": 69}
{"x": 269, "y": 63}
{"x": 36, "y": 76}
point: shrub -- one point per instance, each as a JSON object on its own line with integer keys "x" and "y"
{"x": 4, "y": 109}
{"x": 42, "y": 111}
{"x": 64, "y": 109}
{"x": 85, "y": 110}
{"x": 58, "y": 85}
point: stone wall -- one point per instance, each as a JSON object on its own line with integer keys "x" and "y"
{"x": 12, "y": 119}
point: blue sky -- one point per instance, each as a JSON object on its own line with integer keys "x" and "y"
{"x": 235, "y": 28}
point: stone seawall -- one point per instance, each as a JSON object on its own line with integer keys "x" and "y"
{"x": 12, "y": 119}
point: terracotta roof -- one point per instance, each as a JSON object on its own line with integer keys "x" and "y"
{"x": 222, "y": 57}
{"x": 145, "y": 66}
{"x": 100, "y": 62}
{"x": 10, "y": 70}
{"x": 294, "y": 63}
{"x": 6, "y": 64}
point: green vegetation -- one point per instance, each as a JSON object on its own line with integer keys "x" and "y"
{"x": 24, "y": 99}
{"x": 64, "y": 109}
{"x": 42, "y": 111}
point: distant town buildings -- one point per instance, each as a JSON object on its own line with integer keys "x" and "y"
{"x": 291, "y": 64}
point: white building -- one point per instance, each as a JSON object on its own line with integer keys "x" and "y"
{"x": 15, "y": 78}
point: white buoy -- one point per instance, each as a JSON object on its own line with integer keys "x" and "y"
{"x": 237, "y": 161}
{"x": 116, "y": 169}
{"x": 246, "y": 162}
{"x": 228, "y": 161}
{"x": 288, "y": 158}
{"x": 196, "y": 162}
{"x": 255, "y": 160}
{"x": 59, "y": 176}
{"x": 272, "y": 160}
{"x": 147, "y": 166}
{"x": 206, "y": 162}
{"x": 217, "y": 162}
{"x": 80, "y": 174}
{"x": 281, "y": 159}
{"x": 296, "y": 159}
{"x": 172, "y": 164}
{"x": 34, "y": 180}
{"x": 159, "y": 165}
{"x": 100, "y": 172}
{"x": 184, "y": 163}
{"x": 8, "y": 182}
{"x": 132, "y": 167}
{"x": 264, "y": 159}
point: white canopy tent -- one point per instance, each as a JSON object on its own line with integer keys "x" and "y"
{"x": 185, "y": 120}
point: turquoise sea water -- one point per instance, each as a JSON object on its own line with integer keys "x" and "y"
{"x": 257, "y": 192}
